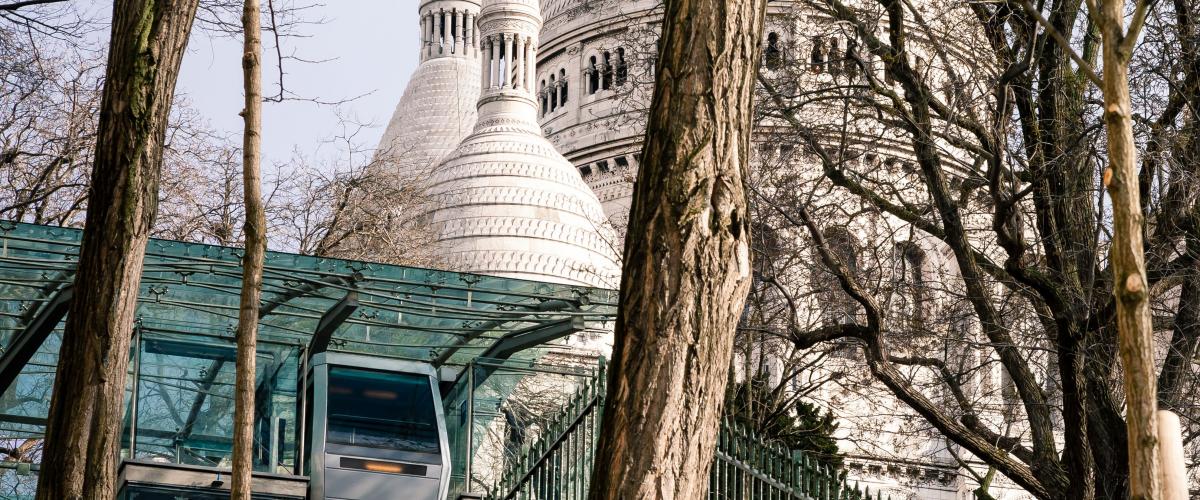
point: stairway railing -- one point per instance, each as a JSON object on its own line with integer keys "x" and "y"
{"x": 558, "y": 465}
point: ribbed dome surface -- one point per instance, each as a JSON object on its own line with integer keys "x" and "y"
{"x": 435, "y": 113}
{"x": 507, "y": 204}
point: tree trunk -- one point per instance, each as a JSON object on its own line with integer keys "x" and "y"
{"x": 686, "y": 265}
{"x": 252, "y": 263}
{"x": 1136, "y": 341}
{"x": 87, "y": 406}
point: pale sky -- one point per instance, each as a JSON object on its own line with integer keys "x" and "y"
{"x": 370, "y": 47}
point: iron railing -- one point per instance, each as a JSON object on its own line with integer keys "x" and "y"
{"x": 746, "y": 467}
{"x": 558, "y": 465}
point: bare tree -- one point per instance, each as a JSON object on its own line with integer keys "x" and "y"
{"x": 50, "y": 99}
{"x": 83, "y": 426}
{"x": 252, "y": 262}
{"x": 355, "y": 206}
{"x": 1128, "y": 256}
{"x": 975, "y": 132}
{"x": 687, "y": 257}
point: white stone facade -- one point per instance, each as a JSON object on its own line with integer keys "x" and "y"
{"x": 529, "y": 149}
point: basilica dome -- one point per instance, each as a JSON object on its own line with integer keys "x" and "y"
{"x": 505, "y": 202}
{"x": 439, "y": 104}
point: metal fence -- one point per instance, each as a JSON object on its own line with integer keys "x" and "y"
{"x": 558, "y": 465}
{"x": 501, "y": 409}
{"x": 745, "y": 467}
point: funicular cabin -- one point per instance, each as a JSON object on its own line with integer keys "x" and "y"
{"x": 373, "y": 381}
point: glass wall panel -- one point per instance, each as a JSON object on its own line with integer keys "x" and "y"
{"x": 184, "y": 411}
{"x": 492, "y": 421}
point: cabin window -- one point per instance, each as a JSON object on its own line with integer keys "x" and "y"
{"x": 606, "y": 72}
{"x": 379, "y": 409}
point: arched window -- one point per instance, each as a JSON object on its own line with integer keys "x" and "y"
{"x": 606, "y": 72}
{"x": 838, "y": 307}
{"x": 544, "y": 96}
{"x": 553, "y": 94}
{"x": 622, "y": 68}
{"x": 851, "y": 59}
{"x": 817, "y": 58}
{"x": 562, "y": 86}
{"x": 441, "y": 30}
{"x": 911, "y": 288}
{"x": 773, "y": 55}
{"x": 593, "y": 74}
{"x": 835, "y": 57}
{"x": 652, "y": 58}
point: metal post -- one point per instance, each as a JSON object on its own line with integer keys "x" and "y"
{"x": 470, "y": 421}
{"x": 302, "y": 405}
{"x": 276, "y": 445}
{"x": 133, "y": 395}
{"x": 1172, "y": 473}
{"x": 133, "y": 398}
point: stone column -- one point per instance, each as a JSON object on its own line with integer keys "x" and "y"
{"x": 532, "y": 58}
{"x": 509, "y": 59}
{"x": 486, "y": 58}
{"x": 494, "y": 72}
{"x": 519, "y": 74}
{"x": 469, "y": 25}
{"x": 427, "y": 35}
{"x": 460, "y": 43}
{"x": 443, "y": 32}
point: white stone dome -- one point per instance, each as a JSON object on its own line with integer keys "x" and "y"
{"x": 438, "y": 107}
{"x": 435, "y": 113}
{"x": 505, "y": 202}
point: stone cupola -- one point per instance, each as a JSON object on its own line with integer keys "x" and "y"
{"x": 505, "y": 202}
{"x": 438, "y": 107}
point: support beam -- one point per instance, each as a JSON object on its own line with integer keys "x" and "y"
{"x": 517, "y": 341}
{"x": 27, "y": 341}
{"x": 549, "y": 306}
{"x": 203, "y": 387}
{"x": 330, "y": 321}
{"x": 514, "y": 342}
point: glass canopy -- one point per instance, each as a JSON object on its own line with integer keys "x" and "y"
{"x": 182, "y": 362}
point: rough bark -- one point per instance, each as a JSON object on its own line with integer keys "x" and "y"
{"x": 86, "y": 410}
{"x": 686, "y": 265}
{"x": 1130, "y": 286}
{"x": 252, "y": 262}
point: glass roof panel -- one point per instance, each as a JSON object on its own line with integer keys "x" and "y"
{"x": 411, "y": 313}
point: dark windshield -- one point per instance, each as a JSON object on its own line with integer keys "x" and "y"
{"x": 382, "y": 410}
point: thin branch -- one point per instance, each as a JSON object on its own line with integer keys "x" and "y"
{"x": 1135, "y": 27}
{"x": 1084, "y": 66}
{"x": 26, "y": 3}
